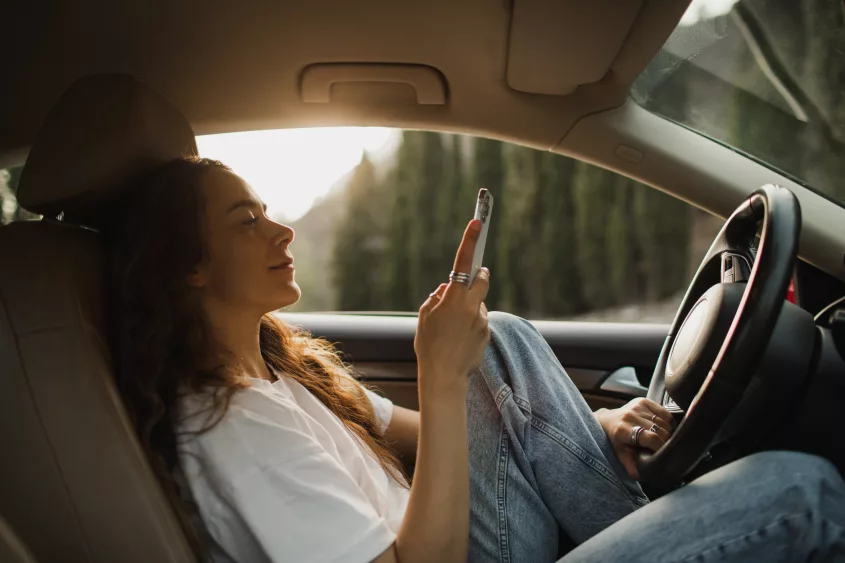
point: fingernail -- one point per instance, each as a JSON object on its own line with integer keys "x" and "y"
{"x": 486, "y": 270}
{"x": 475, "y": 225}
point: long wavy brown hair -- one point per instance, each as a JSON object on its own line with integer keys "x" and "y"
{"x": 161, "y": 341}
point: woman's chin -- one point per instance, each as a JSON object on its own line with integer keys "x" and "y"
{"x": 281, "y": 297}
{"x": 289, "y": 296}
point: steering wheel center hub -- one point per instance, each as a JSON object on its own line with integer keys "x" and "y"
{"x": 699, "y": 339}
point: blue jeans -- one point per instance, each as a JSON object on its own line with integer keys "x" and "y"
{"x": 544, "y": 475}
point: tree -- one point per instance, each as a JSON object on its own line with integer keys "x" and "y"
{"x": 592, "y": 189}
{"x": 623, "y": 282}
{"x": 520, "y": 221}
{"x": 396, "y": 276}
{"x": 427, "y": 187}
{"x": 662, "y": 226}
{"x": 359, "y": 243}
{"x": 557, "y": 238}
{"x": 565, "y": 237}
{"x": 455, "y": 203}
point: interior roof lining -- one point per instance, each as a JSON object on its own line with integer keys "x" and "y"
{"x": 167, "y": 45}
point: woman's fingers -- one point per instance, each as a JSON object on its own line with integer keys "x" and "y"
{"x": 655, "y": 428}
{"x": 648, "y": 439}
{"x": 482, "y": 314}
{"x": 654, "y": 433}
{"x": 480, "y": 285}
{"x": 657, "y": 414}
{"x": 452, "y": 331}
{"x": 463, "y": 260}
{"x": 433, "y": 299}
{"x": 441, "y": 289}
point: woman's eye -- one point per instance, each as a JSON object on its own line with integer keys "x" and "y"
{"x": 251, "y": 221}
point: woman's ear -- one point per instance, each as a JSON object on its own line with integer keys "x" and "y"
{"x": 196, "y": 278}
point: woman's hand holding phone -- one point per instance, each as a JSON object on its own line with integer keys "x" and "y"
{"x": 452, "y": 330}
{"x": 451, "y": 337}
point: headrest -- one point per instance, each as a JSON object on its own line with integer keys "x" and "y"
{"x": 104, "y": 133}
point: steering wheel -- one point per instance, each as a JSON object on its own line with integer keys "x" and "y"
{"x": 722, "y": 329}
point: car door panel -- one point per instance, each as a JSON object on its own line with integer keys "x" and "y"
{"x": 610, "y": 363}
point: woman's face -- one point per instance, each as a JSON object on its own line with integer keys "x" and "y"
{"x": 250, "y": 267}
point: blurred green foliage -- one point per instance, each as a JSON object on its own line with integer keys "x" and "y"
{"x": 565, "y": 237}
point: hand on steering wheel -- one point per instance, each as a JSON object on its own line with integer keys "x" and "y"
{"x": 656, "y": 427}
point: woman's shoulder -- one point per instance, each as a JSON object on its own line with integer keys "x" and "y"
{"x": 260, "y": 402}
{"x": 255, "y": 422}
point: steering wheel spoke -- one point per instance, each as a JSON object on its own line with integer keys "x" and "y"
{"x": 735, "y": 267}
{"x": 670, "y": 405}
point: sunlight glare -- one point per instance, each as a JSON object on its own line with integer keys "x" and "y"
{"x": 705, "y": 10}
{"x": 290, "y": 168}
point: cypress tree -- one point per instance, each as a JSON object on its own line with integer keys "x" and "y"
{"x": 592, "y": 187}
{"x": 557, "y": 238}
{"x": 359, "y": 243}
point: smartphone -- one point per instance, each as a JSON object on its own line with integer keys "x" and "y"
{"x": 483, "y": 208}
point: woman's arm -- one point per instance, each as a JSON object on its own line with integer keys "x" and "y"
{"x": 436, "y": 523}
{"x": 403, "y": 433}
{"x": 452, "y": 334}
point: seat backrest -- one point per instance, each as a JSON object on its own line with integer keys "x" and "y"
{"x": 74, "y": 482}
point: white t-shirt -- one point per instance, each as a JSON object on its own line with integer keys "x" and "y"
{"x": 279, "y": 478}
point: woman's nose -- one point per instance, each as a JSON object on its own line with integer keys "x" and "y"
{"x": 282, "y": 235}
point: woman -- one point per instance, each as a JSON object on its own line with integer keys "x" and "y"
{"x": 287, "y": 458}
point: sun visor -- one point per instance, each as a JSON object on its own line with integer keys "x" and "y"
{"x": 104, "y": 133}
{"x": 557, "y": 45}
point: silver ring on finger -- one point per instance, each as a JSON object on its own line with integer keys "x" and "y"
{"x": 635, "y": 435}
{"x": 459, "y": 277}
{"x": 654, "y": 429}
{"x": 654, "y": 418}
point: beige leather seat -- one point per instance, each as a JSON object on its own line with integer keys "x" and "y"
{"x": 74, "y": 483}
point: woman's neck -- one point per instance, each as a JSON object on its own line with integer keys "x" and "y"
{"x": 236, "y": 333}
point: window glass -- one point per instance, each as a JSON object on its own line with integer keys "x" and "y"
{"x": 763, "y": 76}
{"x": 9, "y": 209}
{"x": 379, "y": 213}
{"x": 567, "y": 240}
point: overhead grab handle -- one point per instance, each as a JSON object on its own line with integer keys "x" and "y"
{"x": 317, "y": 80}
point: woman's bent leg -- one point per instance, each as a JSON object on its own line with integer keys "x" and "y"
{"x": 539, "y": 460}
{"x": 771, "y": 506}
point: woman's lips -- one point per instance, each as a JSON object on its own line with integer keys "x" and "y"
{"x": 283, "y": 266}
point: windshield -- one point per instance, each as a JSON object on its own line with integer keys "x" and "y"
{"x": 766, "y": 77}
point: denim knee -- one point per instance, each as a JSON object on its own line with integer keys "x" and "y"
{"x": 812, "y": 468}
{"x": 505, "y": 321}
{"x": 513, "y": 329}
{"x": 800, "y": 482}
{"x": 530, "y": 361}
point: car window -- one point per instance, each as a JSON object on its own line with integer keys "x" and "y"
{"x": 378, "y": 215}
{"x": 567, "y": 240}
{"x": 9, "y": 209}
{"x": 762, "y": 76}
